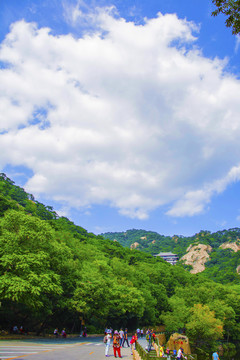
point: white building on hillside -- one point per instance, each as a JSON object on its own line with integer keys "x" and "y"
{"x": 169, "y": 257}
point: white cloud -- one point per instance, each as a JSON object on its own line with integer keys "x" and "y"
{"x": 237, "y": 43}
{"x": 193, "y": 202}
{"x": 124, "y": 116}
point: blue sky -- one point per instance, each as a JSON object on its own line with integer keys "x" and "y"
{"x": 122, "y": 114}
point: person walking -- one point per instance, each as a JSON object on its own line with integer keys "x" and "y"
{"x": 149, "y": 338}
{"x": 133, "y": 342}
{"x": 142, "y": 333}
{"x": 116, "y": 344}
{"x": 153, "y": 335}
{"x": 121, "y": 334}
{"x": 125, "y": 338}
{"x": 84, "y": 332}
{"x": 107, "y": 340}
{"x": 215, "y": 356}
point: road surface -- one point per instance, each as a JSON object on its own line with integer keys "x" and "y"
{"x": 57, "y": 349}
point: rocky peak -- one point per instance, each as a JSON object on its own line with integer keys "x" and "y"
{"x": 235, "y": 246}
{"x": 196, "y": 256}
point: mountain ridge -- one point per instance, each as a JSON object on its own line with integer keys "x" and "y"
{"x": 214, "y": 254}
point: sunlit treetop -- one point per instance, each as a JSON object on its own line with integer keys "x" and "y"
{"x": 230, "y": 8}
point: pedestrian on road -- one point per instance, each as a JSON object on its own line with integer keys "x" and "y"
{"x": 133, "y": 342}
{"x": 116, "y": 344}
{"x": 215, "y": 356}
{"x": 153, "y": 335}
{"x": 84, "y": 332}
{"x": 149, "y": 338}
{"x": 125, "y": 338}
{"x": 142, "y": 333}
{"x": 121, "y": 334}
{"x": 56, "y": 332}
{"x": 108, "y": 337}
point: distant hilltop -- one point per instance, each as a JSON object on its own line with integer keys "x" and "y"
{"x": 217, "y": 255}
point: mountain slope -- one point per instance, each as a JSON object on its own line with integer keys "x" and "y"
{"x": 215, "y": 255}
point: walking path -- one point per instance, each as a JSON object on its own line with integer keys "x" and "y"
{"x": 45, "y": 350}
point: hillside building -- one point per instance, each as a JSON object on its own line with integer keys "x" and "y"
{"x": 169, "y": 257}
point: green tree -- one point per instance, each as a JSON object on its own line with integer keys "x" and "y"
{"x": 225, "y": 313}
{"x": 176, "y": 318}
{"x": 230, "y": 8}
{"x": 203, "y": 328}
{"x": 104, "y": 295}
{"x": 26, "y": 250}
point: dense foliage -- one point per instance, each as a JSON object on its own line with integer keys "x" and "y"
{"x": 230, "y": 8}
{"x": 55, "y": 273}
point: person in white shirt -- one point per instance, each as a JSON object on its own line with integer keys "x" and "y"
{"x": 180, "y": 354}
{"x": 108, "y": 337}
{"x": 121, "y": 334}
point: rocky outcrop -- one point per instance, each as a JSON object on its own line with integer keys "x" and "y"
{"x": 134, "y": 245}
{"x": 235, "y": 246}
{"x": 196, "y": 256}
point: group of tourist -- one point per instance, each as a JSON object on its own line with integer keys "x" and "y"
{"x": 57, "y": 334}
{"x": 15, "y": 330}
{"x": 63, "y": 333}
{"x": 150, "y": 336}
{"x": 119, "y": 338}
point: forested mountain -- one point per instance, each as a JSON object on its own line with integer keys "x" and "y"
{"x": 222, "y": 255}
{"x": 54, "y": 273}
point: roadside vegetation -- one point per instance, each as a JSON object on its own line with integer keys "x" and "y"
{"x": 54, "y": 273}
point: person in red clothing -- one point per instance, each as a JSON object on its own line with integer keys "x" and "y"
{"x": 134, "y": 338}
{"x": 133, "y": 341}
{"x": 153, "y": 335}
{"x": 116, "y": 344}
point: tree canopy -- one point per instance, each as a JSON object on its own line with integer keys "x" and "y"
{"x": 230, "y": 8}
{"x": 54, "y": 273}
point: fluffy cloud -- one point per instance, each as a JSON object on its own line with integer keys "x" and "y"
{"x": 132, "y": 116}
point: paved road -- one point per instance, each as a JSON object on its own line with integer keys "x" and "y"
{"x": 59, "y": 349}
